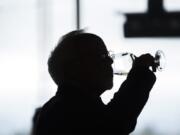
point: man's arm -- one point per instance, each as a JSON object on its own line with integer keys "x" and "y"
{"x": 133, "y": 94}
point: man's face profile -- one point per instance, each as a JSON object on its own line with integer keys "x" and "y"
{"x": 97, "y": 64}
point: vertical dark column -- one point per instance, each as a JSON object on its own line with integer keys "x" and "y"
{"x": 155, "y": 6}
{"x": 78, "y": 14}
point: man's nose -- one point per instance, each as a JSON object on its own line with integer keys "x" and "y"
{"x": 110, "y": 60}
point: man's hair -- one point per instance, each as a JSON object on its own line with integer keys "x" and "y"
{"x": 56, "y": 62}
{"x": 71, "y": 52}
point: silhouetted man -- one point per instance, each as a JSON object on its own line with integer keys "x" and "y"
{"x": 81, "y": 67}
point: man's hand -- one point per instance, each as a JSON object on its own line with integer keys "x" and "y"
{"x": 145, "y": 60}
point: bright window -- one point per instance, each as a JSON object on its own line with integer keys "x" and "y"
{"x": 30, "y": 29}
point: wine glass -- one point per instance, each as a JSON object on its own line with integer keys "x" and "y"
{"x": 123, "y": 62}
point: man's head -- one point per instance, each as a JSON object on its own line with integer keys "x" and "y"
{"x": 81, "y": 59}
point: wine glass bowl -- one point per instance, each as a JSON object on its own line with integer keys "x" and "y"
{"x": 122, "y": 62}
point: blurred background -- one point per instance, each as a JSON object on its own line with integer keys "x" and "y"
{"x": 29, "y": 30}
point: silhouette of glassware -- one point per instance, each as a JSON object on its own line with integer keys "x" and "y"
{"x": 123, "y": 62}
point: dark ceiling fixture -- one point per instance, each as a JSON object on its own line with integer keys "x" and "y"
{"x": 156, "y": 22}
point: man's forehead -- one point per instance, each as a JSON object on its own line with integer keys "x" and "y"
{"x": 95, "y": 44}
{"x": 86, "y": 44}
{"x": 95, "y": 49}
